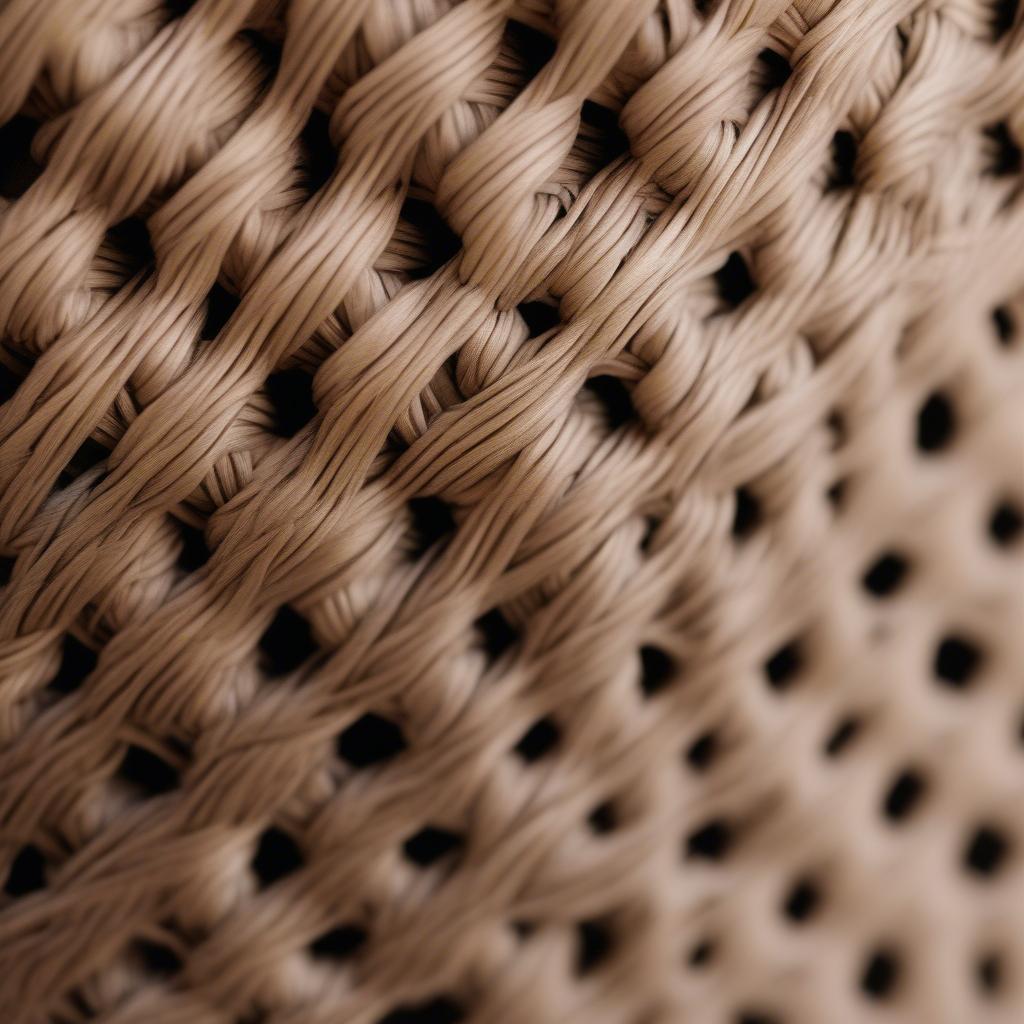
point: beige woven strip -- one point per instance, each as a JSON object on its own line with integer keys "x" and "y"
{"x": 512, "y": 511}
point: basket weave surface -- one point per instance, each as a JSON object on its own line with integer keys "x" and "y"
{"x": 511, "y": 511}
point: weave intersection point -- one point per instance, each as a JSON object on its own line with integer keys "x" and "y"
{"x": 511, "y": 511}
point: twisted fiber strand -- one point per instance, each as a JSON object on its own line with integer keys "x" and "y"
{"x": 551, "y": 507}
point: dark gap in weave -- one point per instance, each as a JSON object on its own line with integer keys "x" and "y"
{"x": 6, "y": 568}
{"x": 439, "y": 1010}
{"x": 986, "y": 851}
{"x": 318, "y": 156}
{"x": 432, "y": 523}
{"x": 603, "y": 818}
{"x": 1004, "y": 14}
{"x": 783, "y": 667}
{"x": 844, "y": 160}
{"x": 594, "y": 944}
{"x": 497, "y": 633}
{"x": 430, "y": 845}
{"x": 904, "y": 795}
{"x": 746, "y": 513}
{"x": 147, "y": 771}
{"x": 90, "y": 454}
{"x": 157, "y": 958}
{"x": 886, "y": 574}
{"x": 988, "y": 971}
{"x": 1004, "y": 153}
{"x": 291, "y": 394}
{"x": 651, "y": 527}
{"x": 936, "y": 423}
{"x": 370, "y": 739}
{"x": 27, "y": 873}
{"x": 701, "y": 753}
{"x": 286, "y": 643}
{"x": 613, "y": 140}
{"x": 802, "y": 901}
{"x": 836, "y": 494}
{"x": 339, "y": 943}
{"x": 774, "y": 67}
{"x": 711, "y": 841}
{"x": 523, "y": 930}
{"x": 881, "y": 973}
{"x": 1006, "y": 328}
{"x": 1005, "y": 524}
{"x": 702, "y": 953}
{"x": 220, "y": 308}
{"x": 277, "y": 855}
{"x": 269, "y": 49}
{"x": 957, "y": 660}
{"x": 76, "y": 662}
{"x": 194, "y": 553}
{"x": 18, "y": 169}
{"x": 440, "y": 242}
{"x": 756, "y": 1017}
{"x": 130, "y": 238}
{"x": 178, "y": 8}
{"x": 540, "y": 317}
{"x": 657, "y": 669}
{"x": 734, "y": 281}
{"x": 10, "y": 376}
{"x": 533, "y": 47}
{"x": 842, "y": 736}
{"x": 614, "y": 399}
{"x": 540, "y": 739}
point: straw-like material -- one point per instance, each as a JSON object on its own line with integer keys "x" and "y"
{"x": 511, "y": 511}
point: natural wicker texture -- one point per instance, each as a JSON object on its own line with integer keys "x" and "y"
{"x": 512, "y": 511}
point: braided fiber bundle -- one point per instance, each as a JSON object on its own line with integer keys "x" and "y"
{"x": 511, "y": 511}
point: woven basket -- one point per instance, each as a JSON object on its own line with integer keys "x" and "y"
{"x": 511, "y": 512}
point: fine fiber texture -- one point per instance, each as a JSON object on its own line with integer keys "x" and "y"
{"x": 511, "y": 512}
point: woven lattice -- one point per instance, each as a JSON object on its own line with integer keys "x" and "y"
{"x": 511, "y": 511}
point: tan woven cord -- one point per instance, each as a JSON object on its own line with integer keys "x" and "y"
{"x": 512, "y": 512}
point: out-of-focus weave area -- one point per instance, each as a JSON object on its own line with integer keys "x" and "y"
{"x": 511, "y": 512}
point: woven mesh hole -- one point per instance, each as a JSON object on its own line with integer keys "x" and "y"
{"x": 497, "y": 633}
{"x": 193, "y": 553}
{"x": 843, "y": 160}
{"x": 986, "y": 851}
{"x": 1003, "y": 154}
{"x": 219, "y": 309}
{"x": 156, "y": 957}
{"x": 338, "y": 944}
{"x": 613, "y": 399}
{"x": 439, "y": 1010}
{"x": 904, "y": 795}
{"x": 936, "y": 423}
{"x": 711, "y": 841}
{"x": 703, "y": 751}
{"x": 658, "y": 669}
{"x": 76, "y": 662}
{"x": 746, "y": 513}
{"x": 957, "y": 661}
{"x": 1005, "y": 326}
{"x": 318, "y": 154}
{"x": 286, "y": 643}
{"x": 276, "y": 856}
{"x": 988, "y": 971}
{"x": 539, "y": 317}
{"x": 19, "y": 169}
{"x": 845, "y": 732}
{"x": 291, "y": 393}
{"x": 594, "y": 945}
{"x": 886, "y": 574}
{"x": 784, "y": 666}
{"x": 1005, "y": 524}
{"x": 802, "y": 901}
{"x": 734, "y": 281}
{"x": 370, "y": 740}
{"x": 147, "y": 772}
{"x": 539, "y": 740}
{"x": 432, "y": 524}
{"x": 430, "y": 845}
{"x": 881, "y": 974}
{"x": 27, "y": 872}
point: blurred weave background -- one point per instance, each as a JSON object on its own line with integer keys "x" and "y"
{"x": 511, "y": 511}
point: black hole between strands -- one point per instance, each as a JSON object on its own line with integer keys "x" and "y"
{"x": 76, "y": 662}
{"x": 657, "y": 670}
{"x": 430, "y": 844}
{"x": 936, "y": 423}
{"x": 540, "y": 317}
{"x": 802, "y": 900}
{"x": 131, "y": 238}
{"x": 989, "y": 973}
{"x": 27, "y": 873}
{"x": 841, "y": 737}
{"x": 1004, "y": 14}
{"x": 277, "y": 855}
{"x": 90, "y": 454}
{"x": 734, "y": 280}
{"x": 523, "y": 929}
{"x": 432, "y": 522}
{"x": 1005, "y": 524}
{"x": 291, "y": 393}
{"x": 6, "y": 568}
{"x": 318, "y": 155}
{"x": 701, "y": 954}
{"x": 534, "y": 49}
{"x": 614, "y": 141}
{"x": 157, "y": 958}
{"x": 701, "y": 753}
{"x": 1004, "y": 324}
{"x": 194, "y": 553}
{"x": 10, "y": 381}
{"x": 836, "y": 493}
{"x": 152, "y": 774}
{"x": 782, "y": 668}
{"x": 957, "y": 660}
{"x": 370, "y": 740}
{"x": 1004, "y": 151}
{"x": 220, "y": 308}
{"x": 756, "y": 1017}
{"x": 339, "y": 943}
{"x": 746, "y": 515}
{"x": 594, "y": 943}
{"x": 881, "y": 974}
{"x": 540, "y": 739}
{"x": 985, "y": 851}
{"x": 776, "y": 67}
{"x": 603, "y": 819}
{"x": 18, "y": 170}
{"x": 710, "y": 842}
{"x": 615, "y": 400}
{"x": 440, "y": 242}
{"x": 885, "y": 575}
{"x": 498, "y": 635}
{"x": 287, "y": 642}
{"x": 844, "y": 159}
{"x": 440, "y": 1010}
{"x": 903, "y": 796}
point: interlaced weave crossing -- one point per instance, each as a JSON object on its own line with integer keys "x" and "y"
{"x": 511, "y": 511}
